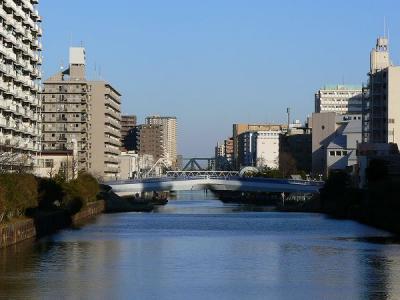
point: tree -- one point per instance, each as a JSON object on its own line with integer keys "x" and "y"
{"x": 287, "y": 164}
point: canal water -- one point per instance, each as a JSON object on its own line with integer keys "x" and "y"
{"x": 199, "y": 248}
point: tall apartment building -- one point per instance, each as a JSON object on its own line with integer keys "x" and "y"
{"x": 20, "y": 75}
{"x": 169, "y": 135}
{"x": 241, "y": 128}
{"x": 341, "y": 99}
{"x": 381, "y": 115}
{"x": 128, "y": 122}
{"x": 150, "y": 139}
{"x": 83, "y": 116}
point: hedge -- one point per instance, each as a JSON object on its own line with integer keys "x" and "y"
{"x": 18, "y": 192}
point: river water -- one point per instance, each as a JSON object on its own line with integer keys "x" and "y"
{"x": 199, "y": 248}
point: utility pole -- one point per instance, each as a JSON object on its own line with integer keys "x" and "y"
{"x": 288, "y": 118}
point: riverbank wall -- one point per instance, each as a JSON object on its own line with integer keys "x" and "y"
{"x": 45, "y": 223}
{"x": 17, "y": 231}
{"x": 91, "y": 210}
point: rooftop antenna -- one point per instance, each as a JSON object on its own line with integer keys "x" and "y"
{"x": 384, "y": 26}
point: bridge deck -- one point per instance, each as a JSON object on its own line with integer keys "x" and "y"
{"x": 129, "y": 187}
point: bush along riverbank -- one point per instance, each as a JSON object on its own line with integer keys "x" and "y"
{"x": 47, "y": 204}
{"x": 377, "y": 205}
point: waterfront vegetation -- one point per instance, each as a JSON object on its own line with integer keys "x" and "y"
{"x": 377, "y": 204}
{"x": 267, "y": 172}
{"x": 22, "y": 194}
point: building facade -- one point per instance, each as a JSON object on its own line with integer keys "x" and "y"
{"x": 241, "y": 128}
{"x": 128, "y": 122}
{"x": 150, "y": 140}
{"x": 83, "y": 115}
{"x": 381, "y": 116}
{"x": 334, "y": 141}
{"x": 341, "y": 99}
{"x": 259, "y": 149}
{"x": 298, "y": 145}
{"x": 169, "y": 125}
{"x": 20, "y": 74}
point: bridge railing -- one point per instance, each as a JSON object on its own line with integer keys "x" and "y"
{"x": 189, "y": 176}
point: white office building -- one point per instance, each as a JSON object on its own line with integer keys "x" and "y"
{"x": 266, "y": 147}
{"x": 341, "y": 99}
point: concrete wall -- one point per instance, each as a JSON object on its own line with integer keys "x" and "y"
{"x": 394, "y": 105}
{"x": 324, "y": 127}
{"x": 17, "y": 231}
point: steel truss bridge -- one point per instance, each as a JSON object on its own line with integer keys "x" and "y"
{"x": 210, "y": 174}
{"x": 212, "y": 180}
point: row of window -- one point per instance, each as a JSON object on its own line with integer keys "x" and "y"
{"x": 338, "y": 153}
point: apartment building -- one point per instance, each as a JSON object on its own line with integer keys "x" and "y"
{"x": 84, "y": 116}
{"x": 381, "y": 115}
{"x": 128, "y": 122}
{"x": 20, "y": 74}
{"x": 341, "y": 99}
{"x": 150, "y": 140}
{"x": 169, "y": 135}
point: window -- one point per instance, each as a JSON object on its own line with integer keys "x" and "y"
{"x": 338, "y": 153}
{"x": 331, "y": 153}
{"x": 344, "y": 153}
{"x": 48, "y": 163}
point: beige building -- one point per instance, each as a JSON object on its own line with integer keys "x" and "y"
{"x": 169, "y": 136}
{"x": 52, "y": 163}
{"x": 20, "y": 74}
{"x": 241, "y": 128}
{"x": 85, "y": 115}
{"x": 382, "y": 98}
{"x": 341, "y": 99}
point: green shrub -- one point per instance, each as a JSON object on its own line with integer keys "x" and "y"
{"x": 50, "y": 191}
{"x": 19, "y": 192}
{"x": 79, "y": 192}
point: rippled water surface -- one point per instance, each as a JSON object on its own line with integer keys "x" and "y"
{"x": 198, "y": 248}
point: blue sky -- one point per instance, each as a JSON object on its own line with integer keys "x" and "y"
{"x": 212, "y": 63}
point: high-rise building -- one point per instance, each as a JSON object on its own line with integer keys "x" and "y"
{"x": 84, "y": 116}
{"x": 128, "y": 122}
{"x": 381, "y": 115}
{"x": 20, "y": 75}
{"x": 169, "y": 135}
{"x": 150, "y": 140}
{"x": 341, "y": 99}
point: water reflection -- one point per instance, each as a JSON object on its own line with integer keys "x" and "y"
{"x": 205, "y": 249}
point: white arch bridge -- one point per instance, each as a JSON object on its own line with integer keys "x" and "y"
{"x": 212, "y": 180}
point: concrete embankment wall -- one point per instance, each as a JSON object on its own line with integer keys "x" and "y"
{"x": 45, "y": 223}
{"x": 16, "y": 232}
{"x": 91, "y": 210}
